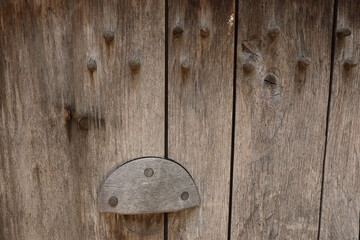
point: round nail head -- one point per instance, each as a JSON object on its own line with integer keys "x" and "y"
{"x": 83, "y": 123}
{"x": 148, "y": 172}
{"x": 350, "y": 63}
{"x": 248, "y": 67}
{"x": 108, "y": 35}
{"x": 113, "y": 201}
{"x": 204, "y": 32}
{"x": 91, "y": 65}
{"x": 178, "y": 31}
{"x": 343, "y": 32}
{"x": 134, "y": 65}
{"x": 274, "y": 32}
{"x": 304, "y": 62}
{"x": 185, "y": 196}
{"x": 185, "y": 65}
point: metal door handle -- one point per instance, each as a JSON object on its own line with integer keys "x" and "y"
{"x": 148, "y": 185}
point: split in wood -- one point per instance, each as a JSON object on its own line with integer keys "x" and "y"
{"x": 343, "y": 32}
{"x": 69, "y": 114}
{"x": 91, "y": 65}
{"x": 204, "y": 32}
{"x": 248, "y": 67}
{"x": 274, "y": 32}
{"x": 134, "y": 64}
{"x": 177, "y": 31}
{"x": 108, "y": 36}
{"x": 271, "y": 79}
{"x": 303, "y": 62}
{"x": 350, "y": 63}
{"x": 185, "y": 65}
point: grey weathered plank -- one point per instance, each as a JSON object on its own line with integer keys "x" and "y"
{"x": 200, "y": 112}
{"x": 51, "y": 170}
{"x": 280, "y": 118}
{"x": 341, "y": 194}
{"x": 148, "y": 185}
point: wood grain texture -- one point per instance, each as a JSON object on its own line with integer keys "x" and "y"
{"x": 52, "y": 170}
{"x": 280, "y": 118}
{"x": 148, "y": 185}
{"x": 341, "y": 194}
{"x": 200, "y": 112}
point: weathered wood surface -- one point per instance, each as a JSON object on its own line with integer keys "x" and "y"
{"x": 280, "y": 118}
{"x": 52, "y": 170}
{"x": 341, "y": 195}
{"x": 66, "y": 122}
{"x": 148, "y": 185}
{"x": 200, "y": 111}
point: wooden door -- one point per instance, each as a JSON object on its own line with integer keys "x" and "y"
{"x": 258, "y": 100}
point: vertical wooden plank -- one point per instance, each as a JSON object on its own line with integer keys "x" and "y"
{"x": 51, "y": 169}
{"x": 200, "y": 111}
{"x": 38, "y": 182}
{"x": 130, "y": 102}
{"x": 341, "y": 195}
{"x": 280, "y": 118}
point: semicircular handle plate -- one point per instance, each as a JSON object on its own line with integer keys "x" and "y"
{"x": 148, "y": 185}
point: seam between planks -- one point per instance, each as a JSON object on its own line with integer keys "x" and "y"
{"x": 233, "y": 118}
{"x": 328, "y": 109}
{"x": 166, "y": 124}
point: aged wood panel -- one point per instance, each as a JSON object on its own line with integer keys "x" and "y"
{"x": 52, "y": 163}
{"x": 281, "y": 106}
{"x": 341, "y": 194}
{"x": 200, "y": 111}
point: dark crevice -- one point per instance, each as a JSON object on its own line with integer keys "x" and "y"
{"x": 328, "y": 109}
{"x": 269, "y": 82}
{"x": 166, "y": 120}
{"x": 233, "y": 118}
{"x": 166, "y": 226}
